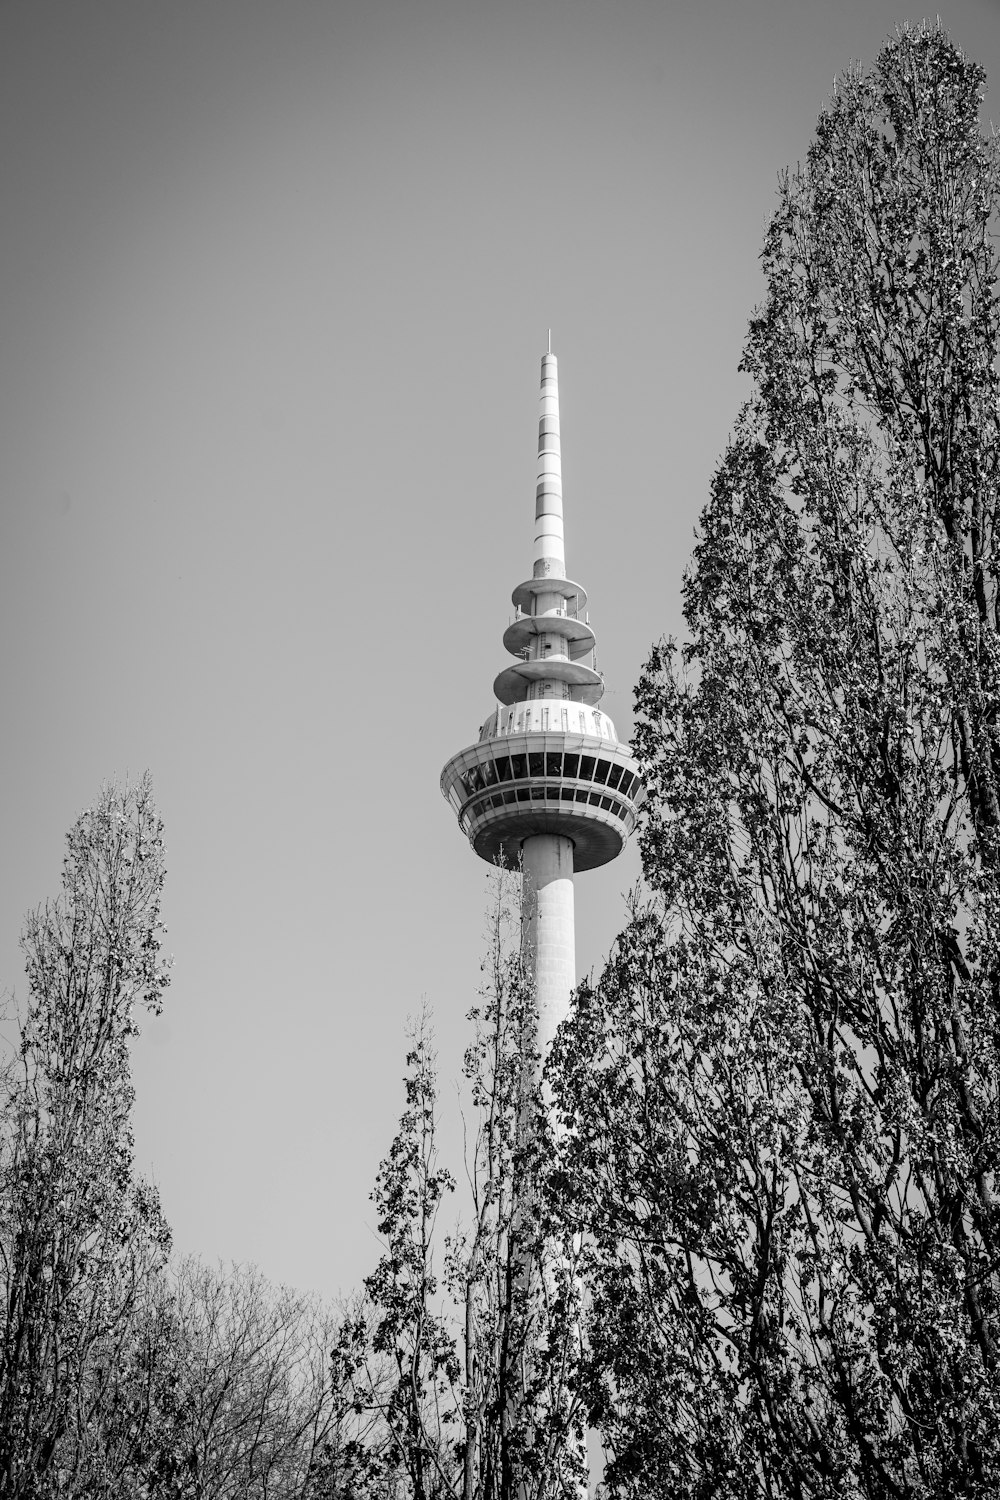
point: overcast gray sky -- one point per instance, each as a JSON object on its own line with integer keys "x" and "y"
{"x": 274, "y": 286}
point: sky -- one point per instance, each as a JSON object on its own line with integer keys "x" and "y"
{"x": 274, "y": 287}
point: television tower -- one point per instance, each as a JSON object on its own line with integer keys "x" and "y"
{"x": 547, "y": 785}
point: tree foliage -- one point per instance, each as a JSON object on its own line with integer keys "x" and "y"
{"x": 121, "y": 1374}
{"x": 252, "y": 1410}
{"x": 79, "y": 1235}
{"x": 784, "y": 1089}
{"x": 461, "y": 1366}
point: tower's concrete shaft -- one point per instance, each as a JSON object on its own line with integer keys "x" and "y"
{"x": 548, "y": 929}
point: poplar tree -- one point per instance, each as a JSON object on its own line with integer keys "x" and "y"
{"x": 783, "y": 1091}
{"x": 459, "y": 1368}
{"x": 121, "y": 1375}
{"x": 81, "y": 1237}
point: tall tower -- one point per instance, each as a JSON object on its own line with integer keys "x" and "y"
{"x": 548, "y": 784}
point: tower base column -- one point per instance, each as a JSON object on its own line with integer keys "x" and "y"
{"x": 549, "y": 935}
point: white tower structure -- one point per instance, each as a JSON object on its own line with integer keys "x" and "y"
{"x": 548, "y": 784}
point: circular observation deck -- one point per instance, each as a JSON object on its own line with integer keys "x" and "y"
{"x": 513, "y": 684}
{"x": 511, "y": 787}
{"x": 526, "y": 593}
{"x": 576, "y": 634}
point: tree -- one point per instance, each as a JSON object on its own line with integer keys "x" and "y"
{"x": 251, "y": 1410}
{"x": 398, "y": 1358}
{"x": 462, "y": 1379}
{"x": 121, "y": 1374}
{"x": 80, "y": 1236}
{"x": 513, "y": 1272}
{"x": 784, "y": 1088}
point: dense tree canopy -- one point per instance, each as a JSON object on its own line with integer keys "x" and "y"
{"x": 784, "y": 1089}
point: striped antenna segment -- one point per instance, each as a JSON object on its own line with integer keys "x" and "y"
{"x": 550, "y": 557}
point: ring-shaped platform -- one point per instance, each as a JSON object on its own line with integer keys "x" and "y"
{"x": 508, "y": 789}
{"x": 522, "y": 631}
{"x": 511, "y": 685}
{"x": 565, "y": 588}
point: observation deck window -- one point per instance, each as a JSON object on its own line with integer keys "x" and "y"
{"x": 553, "y": 767}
